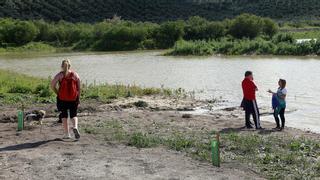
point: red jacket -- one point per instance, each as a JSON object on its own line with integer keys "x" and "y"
{"x": 249, "y": 89}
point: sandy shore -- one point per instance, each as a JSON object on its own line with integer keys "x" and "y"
{"x": 32, "y": 154}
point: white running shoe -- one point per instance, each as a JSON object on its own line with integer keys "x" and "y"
{"x": 76, "y": 133}
{"x": 66, "y": 136}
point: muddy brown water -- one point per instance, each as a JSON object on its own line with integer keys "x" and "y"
{"x": 209, "y": 77}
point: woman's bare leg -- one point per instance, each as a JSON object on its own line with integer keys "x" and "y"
{"x": 65, "y": 125}
{"x": 75, "y": 128}
{"x": 75, "y": 122}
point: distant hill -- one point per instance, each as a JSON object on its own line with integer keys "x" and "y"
{"x": 156, "y": 10}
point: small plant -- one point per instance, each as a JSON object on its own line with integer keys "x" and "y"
{"x": 295, "y": 145}
{"x": 141, "y": 140}
{"x": 43, "y": 90}
{"x": 141, "y": 104}
{"x": 179, "y": 142}
{"x": 89, "y": 129}
{"x": 151, "y": 91}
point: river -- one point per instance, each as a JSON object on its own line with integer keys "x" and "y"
{"x": 209, "y": 77}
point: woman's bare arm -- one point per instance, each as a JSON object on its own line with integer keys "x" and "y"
{"x": 54, "y": 83}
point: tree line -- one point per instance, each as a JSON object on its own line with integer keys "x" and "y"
{"x": 117, "y": 34}
{"x": 156, "y": 10}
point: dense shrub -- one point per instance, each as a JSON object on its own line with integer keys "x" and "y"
{"x": 305, "y": 48}
{"x": 43, "y": 90}
{"x": 269, "y": 27}
{"x": 316, "y": 47}
{"x": 245, "y": 26}
{"x": 214, "y": 30}
{"x": 195, "y": 28}
{"x": 121, "y": 38}
{"x": 46, "y": 31}
{"x": 283, "y": 37}
{"x": 198, "y": 28}
{"x": 251, "y": 26}
{"x": 17, "y": 32}
{"x": 168, "y": 33}
{"x": 285, "y": 49}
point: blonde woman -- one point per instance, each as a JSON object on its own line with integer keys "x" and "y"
{"x": 66, "y": 84}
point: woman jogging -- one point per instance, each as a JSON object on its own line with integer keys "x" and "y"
{"x": 66, "y": 84}
{"x": 279, "y": 103}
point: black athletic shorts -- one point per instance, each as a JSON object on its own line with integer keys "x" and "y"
{"x": 64, "y": 106}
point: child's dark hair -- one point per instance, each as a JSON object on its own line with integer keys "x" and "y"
{"x": 248, "y": 73}
{"x": 283, "y": 83}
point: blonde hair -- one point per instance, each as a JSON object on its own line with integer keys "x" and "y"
{"x": 66, "y": 61}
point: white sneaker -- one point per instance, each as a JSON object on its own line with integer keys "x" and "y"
{"x": 66, "y": 136}
{"x": 76, "y": 133}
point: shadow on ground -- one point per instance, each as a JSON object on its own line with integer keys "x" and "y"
{"x": 237, "y": 130}
{"x": 230, "y": 130}
{"x": 27, "y": 145}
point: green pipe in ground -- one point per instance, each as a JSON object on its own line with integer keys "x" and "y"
{"x": 20, "y": 120}
{"x": 215, "y": 151}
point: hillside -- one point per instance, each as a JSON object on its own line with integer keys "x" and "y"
{"x": 156, "y": 10}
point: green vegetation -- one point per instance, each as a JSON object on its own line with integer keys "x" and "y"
{"x": 21, "y": 89}
{"x": 313, "y": 34}
{"x": 30, "y": 47}
{"x": 18, "y": 32}
{"x": 16, "y": 88}
{"x": 156, "y": 10}
{"x": 281, "y": 44}
{"x": 199, "y": 28}
{"x": 250, "y": 26}
{"x": 275, "y": 156}
{"x": 115, "y": 34}
{"x": 245, "y": 34}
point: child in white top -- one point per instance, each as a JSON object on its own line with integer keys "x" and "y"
{"x": 279, "y": 110}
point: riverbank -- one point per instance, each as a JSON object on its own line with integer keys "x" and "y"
{"x": 131, "y": 133}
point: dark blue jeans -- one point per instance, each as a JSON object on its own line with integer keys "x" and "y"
{"x": 281, "y": 114}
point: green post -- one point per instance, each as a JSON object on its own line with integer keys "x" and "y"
{"x": 215, "y": 151}
{"x": 20, "y": 120}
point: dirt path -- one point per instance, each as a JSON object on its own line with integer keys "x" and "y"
{"x": 32, "y": 155}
